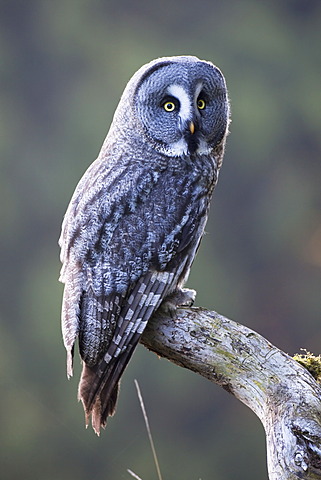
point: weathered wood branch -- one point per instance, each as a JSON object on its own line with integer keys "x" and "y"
{"x": 282, "y": 393}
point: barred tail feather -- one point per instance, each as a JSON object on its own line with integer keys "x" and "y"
{"x": 90, "y": 394}
{"x": 99, "y": 386}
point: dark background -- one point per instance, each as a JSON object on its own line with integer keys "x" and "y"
{"x": 63, "y": 66}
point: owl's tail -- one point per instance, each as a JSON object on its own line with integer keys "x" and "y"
{"x": 98, "y": 388}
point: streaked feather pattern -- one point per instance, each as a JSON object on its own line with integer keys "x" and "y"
{"x": 135, "y": 222}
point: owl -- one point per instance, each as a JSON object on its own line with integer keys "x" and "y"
{"x": 136, "y": 219}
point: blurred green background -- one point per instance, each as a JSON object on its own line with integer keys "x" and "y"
{"x": 63, "y": 66}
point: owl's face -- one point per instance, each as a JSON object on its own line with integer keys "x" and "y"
{"x": 181, "y": 104}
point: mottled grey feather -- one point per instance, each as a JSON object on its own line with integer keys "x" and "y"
{"x": 137, "y": 216}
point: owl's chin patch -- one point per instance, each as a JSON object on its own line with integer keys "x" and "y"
{"x": 189, "y": 145}
{"x": 177, "y": 149}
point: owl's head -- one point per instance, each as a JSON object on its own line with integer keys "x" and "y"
{"x": 180, "y": 104}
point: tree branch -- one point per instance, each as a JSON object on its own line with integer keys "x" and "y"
{"x": 282, "y": 393}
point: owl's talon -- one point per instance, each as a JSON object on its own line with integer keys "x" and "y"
{"x": 180, "y": 298}
{"x": 189, "y": 297}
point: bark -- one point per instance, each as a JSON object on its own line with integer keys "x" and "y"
{"x": 281, "y": 392}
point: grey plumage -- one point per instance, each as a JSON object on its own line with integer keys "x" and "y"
{"x": 137, "y": 216}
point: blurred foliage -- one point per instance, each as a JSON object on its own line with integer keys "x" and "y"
{"x": 63, "y": 67}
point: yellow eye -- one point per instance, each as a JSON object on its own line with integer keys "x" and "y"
{"x": 201, "y": 104}
{"x": 169, "y": 106}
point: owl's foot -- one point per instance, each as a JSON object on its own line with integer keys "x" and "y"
{"x": 180, "y": 298}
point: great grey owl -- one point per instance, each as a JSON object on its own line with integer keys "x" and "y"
{"x": 137, "y": 217}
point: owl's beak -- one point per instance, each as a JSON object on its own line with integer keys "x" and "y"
{"x": 191, "y": 127}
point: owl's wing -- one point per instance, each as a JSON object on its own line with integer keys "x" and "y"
{"x": 97, "y": 206}
{"x": 105, "y": 353}
{"x": 123, "y": 255}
